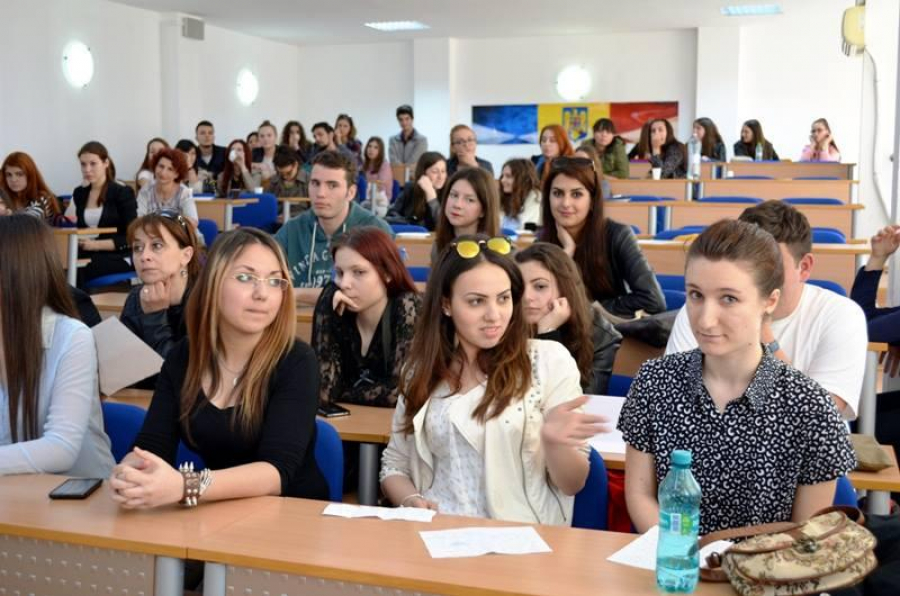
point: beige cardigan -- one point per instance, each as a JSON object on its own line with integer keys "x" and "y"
{"x": 516, "y": 477}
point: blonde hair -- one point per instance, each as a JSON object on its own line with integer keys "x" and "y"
{"x": 455, "y": 130}
{"x": 206, "y": 347}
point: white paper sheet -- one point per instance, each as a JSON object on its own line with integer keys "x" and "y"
{"x": 475, "y": 542}
{"x": 641, "y": 552}
{"x": 387, "y": 513}
{"x": 124, "y": 358}
{"x": 609, "y": 406}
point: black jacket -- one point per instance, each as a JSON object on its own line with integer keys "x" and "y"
{"x": 742, "y": 149}
{"x": 119, "y": 210}
{"x": 453, "y": 165}
{"x": 216, "y": 163}
{"x": 403, "y": 209}
{"x": 606, "y": 342}
{"x": 634, "y": 283}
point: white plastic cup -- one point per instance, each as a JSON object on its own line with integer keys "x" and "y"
{"x": 657, "y": 173}
{"x": 258, "y": 190}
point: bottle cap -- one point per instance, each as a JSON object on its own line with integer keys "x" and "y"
{"x": 681, "y": 458}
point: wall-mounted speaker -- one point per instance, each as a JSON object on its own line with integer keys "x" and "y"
{"x": 192, "y": 28}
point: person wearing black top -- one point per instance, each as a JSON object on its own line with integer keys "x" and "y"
{"x": 103, "y": 203}
{"x": 240, "y": 390}
{"x": 712, "y": 148}
{"x": 165, "y": 255}
{"x": 614, "y": 269}
{"x": 463, "y": 145}
{"x": 751, "y": 136}
{"x": 364, "y": 320}
{"x": 210, "y": 157}
{"x": 419, "y": 201}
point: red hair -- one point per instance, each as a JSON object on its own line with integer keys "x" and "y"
{"x": 562, "y": 139}
{"x": 228, "y": 170}
{"x": 176, "y": 157}
{"x": 375, "y": 246}
{"x": 35, "y": 187}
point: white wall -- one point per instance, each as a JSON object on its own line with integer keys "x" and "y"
{"x": 42, "y": 115}
{"x": 657, "y": 66}
{"x": 718, "y": 77}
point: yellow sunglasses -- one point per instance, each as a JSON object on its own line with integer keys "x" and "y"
{"x": 469, "y": 249}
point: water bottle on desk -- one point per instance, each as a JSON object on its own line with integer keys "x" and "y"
{"x": 693, "y": 149}
{"x": 759, "y": 152}
{"x": 678, "y": 552}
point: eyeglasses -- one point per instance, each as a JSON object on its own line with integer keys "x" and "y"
{"x": 174, "y": 216}
{"x": 461, "y": 142}
{"x": 580, "y": 162}
{"x": 469, "y": 249}
{"x": 276, "y": 283}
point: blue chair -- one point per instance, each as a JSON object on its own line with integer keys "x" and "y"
{"x": 362, "y": 187}
{"x": 395, "y": 190}
{"x": 592, "y": 501}
{"x": 812, "y": 201}
{"x": 123, "y": 422}
{"x": 673, "y": 233}
{"x": 844, "y": 493}
{"x": 209, "y": 229}
{"x": 751, "y": 177}
{"x": 829, "y": 285}
{"x": 816, "y": 178}
{"x": 671, "y": 282}
{"x": 828, "y": 236}
{"x": 419, "y": 274}
{"x": 716, "y": 199}
{"x": 330, "y": 459}
{"x": 262, "y": 215}
{"x": 509, "y": 233}
{"x": 112, "y": 279}
{"x": 408, "y": 228}
{"x": 619, "y": 385}
{"x": 674, "y": 299}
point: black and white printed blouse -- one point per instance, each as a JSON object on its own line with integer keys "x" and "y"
{"x": 783, "y": 432}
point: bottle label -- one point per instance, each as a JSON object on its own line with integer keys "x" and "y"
{"x": 678, "y": 523}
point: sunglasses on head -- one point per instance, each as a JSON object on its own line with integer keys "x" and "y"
{"x": 174, "y": 216}
{"x": 469, "y": 249}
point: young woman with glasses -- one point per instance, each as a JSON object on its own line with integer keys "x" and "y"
{"x": 488, "y": 422}
{"x": 463, "y": 145}
{"x": 243, "y": 397}
{"x": 614, "y": 269}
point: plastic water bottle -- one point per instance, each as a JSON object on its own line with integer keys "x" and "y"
{"x": 759, "y": 152}
{"x": 693, "y": 148}
{"x": 678, "y": 553}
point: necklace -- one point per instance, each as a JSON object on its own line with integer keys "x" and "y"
{"x": 235, "y": 375}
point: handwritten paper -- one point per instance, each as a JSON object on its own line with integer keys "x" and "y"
{"x": 124, "y": 358}
{"x": 387, "y": 513}
{"x": 609, "y": 406}
{"x": 641, "y": 552}
{"x": 475, "y": 542}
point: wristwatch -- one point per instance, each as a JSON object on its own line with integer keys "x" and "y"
{"x": 773, "y": 346}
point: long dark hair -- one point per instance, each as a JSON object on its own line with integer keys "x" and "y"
{"x": 525, "y": 180}
{"x": 758, "y": 137}
{"x": 427, "y": 159}
{"x": 32, "y": 277}
{"x": 434, "y": 351}
{"x": 147, "y": 164}
{"x": 97, "y": 148}
{"x": 485, "y": 188}
{"x": 371, "y": 166}
{"x": 711, "y": 136}
{"x": 229, "y": 170}
{"x": 577, "y": 331}
{"x": 606, "y": 125}
{"x": 591, "y": 251}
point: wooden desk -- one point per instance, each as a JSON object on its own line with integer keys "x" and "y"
{"x": 868, "y": 396}
{"x": 402, "y": 172}
{"x": 783, "y": 169}
{"x": 221, "y": 211}
{"x": 67, "y": 247}
{"x": 843, "y": 190}
{"x": 371, "y": 428}
{"x": 678, "y": 189}
{"x": 135, "y": 397}
{"x": 342, "y": 556}
{"x": 286, "y": 203}
{"x": 128, "y": 552}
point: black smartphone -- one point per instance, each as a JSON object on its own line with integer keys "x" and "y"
{"x": 76, "y": 488}
{"x": 332, "y": 410}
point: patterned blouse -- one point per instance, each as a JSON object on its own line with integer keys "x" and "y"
{"x": 348, "y": 375}
{"x": 749, "y": 459}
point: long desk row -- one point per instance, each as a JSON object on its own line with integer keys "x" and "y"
{"x": 271, "y": 545}
{"x": 711, "y": 170}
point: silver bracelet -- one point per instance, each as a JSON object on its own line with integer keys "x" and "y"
{"x": 408, "y": 497}
{"x": 195, "y": 483}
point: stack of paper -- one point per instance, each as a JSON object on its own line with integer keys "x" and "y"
{"x": 388, "y": 513}
{"x": 475, "y": 542}
{"x": 641, "y": 552}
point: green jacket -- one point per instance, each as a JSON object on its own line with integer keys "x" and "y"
{"x": 302, "y": 238}
{"x": 614, "y": 160}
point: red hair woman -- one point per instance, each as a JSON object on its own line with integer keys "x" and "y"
{"x": 24, "y": 188}
{"x": 554, "y": 143}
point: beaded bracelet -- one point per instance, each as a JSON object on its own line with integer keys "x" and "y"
{"x": 195, "y": 483}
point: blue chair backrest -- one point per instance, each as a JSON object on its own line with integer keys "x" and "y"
{"x": 635, "y": 229}
{"x": 592, "y": 502}
{"x": 816, "y": 178}
{"x": 362, "y": 187}
{"x": 643, "y": 199}
{"x": 672, "y": 233}
{"x": 812, "y": 201}
{"x": 829, "y": 285}
{"x": 619, "y": 385}
{"x": 674, "y": 299}
{"x": 671, "y": 282}
{"x": 751, "y": 177}
{"x": 111, "y": 280}
{"x": 330, "y": 459}
{"x": 828, "y": 236}
{"x": 844, "y": 493}
{"x": 122, "y": 423}
{"x": 717, "y": 199}
{"x": 209, "y": 229}
{"x": 419, "y": 274}
{"x": 395, "y": 190}
{"x": 402, "y": 228}
{"x": 509, "y": 233}
{"x": 262, "y": 214}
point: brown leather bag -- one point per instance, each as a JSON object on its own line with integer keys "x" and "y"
{"x": 832, "y": 550}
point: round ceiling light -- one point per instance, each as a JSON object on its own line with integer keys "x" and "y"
{"x": 78, "y": 64}
{"x": 573, "y": 83}
{"x": 247, "y": 87}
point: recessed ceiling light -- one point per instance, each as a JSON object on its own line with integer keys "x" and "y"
{"x": 398, "y": 26}
{"x": 751, "y": 10}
